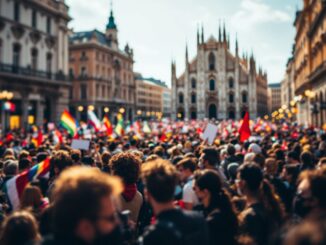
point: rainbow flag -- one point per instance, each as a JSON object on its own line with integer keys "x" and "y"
{"x": 15, "y": 186}
{"x": 69, "y": 123}
{"x": 107, "y": 124}
{"x": 119, "y": 128}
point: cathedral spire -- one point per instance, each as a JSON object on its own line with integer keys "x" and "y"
{"x": 224, "y": 32}
{"x": 198, "y": 36}
{"x": 202, "y": 33}
{"x": 236, "y": 45}
{"x": 219, "y": 32}
{"x": 228, "y": 41}
{"x": 187, "y": 58}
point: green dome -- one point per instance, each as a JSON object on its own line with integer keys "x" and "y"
{"x": 111, "y": 24}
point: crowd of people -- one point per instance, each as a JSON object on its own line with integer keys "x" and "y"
{"x": 177, "y": 189}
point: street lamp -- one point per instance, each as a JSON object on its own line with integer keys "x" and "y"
{"x": 91, "y": 107}
{"x": 139, "y": 112}
{"x": 80, "y": 108}
{"x": 122, "y": 110}
{"x": 106, "y": 109}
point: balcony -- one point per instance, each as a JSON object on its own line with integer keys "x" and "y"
{"x": 28, "y": 72}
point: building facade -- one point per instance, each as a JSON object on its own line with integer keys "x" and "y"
{"x": 274, "y": 97}
{"x": 309, "y": 59}
{"x": 166, "y": 102}
{"x": 150, "y": 97}
{"x": 288, "y": 86}
{"x": 102, "y": 74}
{"x": 34, "y": 60}
{"x": 218, "y": 84}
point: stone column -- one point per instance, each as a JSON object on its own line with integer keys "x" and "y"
{"x": 24, "y": 108}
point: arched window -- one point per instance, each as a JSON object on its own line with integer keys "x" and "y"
{"x": 231, "y": 98}
{"x": 193, "y": 98}
{"x": 244, "y": 97}
{"x": 16, "y": 11}
{"x": 193, "y": 83}
{"x": 212, "y": 85}
{"x": 181, "y": 98}
{"x": 211, "y": 62}
{"x": 231, "y": 82}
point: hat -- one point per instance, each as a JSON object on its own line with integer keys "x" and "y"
{"x": 253, "y": 147}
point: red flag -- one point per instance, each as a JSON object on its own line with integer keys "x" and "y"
{"x": 108, "y": 126}
{"x": 58, "y": 136}
{"x": 39, "y": 137}
{"x": 244, "y": 130}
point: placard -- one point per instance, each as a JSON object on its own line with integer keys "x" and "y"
{"x": 210, "y": 133}
{"x": 80, "y": 144}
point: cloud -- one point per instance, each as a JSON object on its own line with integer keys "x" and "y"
{"x": 256, "y": 12}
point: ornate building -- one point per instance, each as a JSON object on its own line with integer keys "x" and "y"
{"x": 218, "y": 84}
{"x": 274, "y": 97}
{"x": 34, "y": 60}
{"x": 309, "y": 58}
{"x": 150, "y": 97}
{"x": 102, "y": 74}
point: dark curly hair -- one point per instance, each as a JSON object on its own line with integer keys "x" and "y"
{"x": 127, "y": 166}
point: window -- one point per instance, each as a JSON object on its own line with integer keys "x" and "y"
{"x": 193, "y": 83}
{"x": 193, "y": 98}
{"x": 211, "y": 62}
{"x": 48, "y": 62}
{"x": 231, "y": 98}
{"x": 34, "y": 58}
{"x": 244, "y": 97}
{"x": 83, "y": 91}
{"x": 181, "y": 98}
{"x": 48, "y": 25}
{"x": 16, "y": 54}
{"x": 83, "y": 72}
{"x": 212, "y": 85}
{"x": 16, "y": 11}
{"x": 71, "y": 73}
{"x": 34, "y": 19}
{"x": 231, "y": 82}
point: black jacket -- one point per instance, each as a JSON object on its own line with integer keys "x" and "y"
{"x": 176, "y": 227}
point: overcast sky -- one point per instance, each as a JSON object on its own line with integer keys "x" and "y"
{"x": 158, "y": 30}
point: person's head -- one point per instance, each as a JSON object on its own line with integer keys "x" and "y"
{"x": 270, "y": 166}
{"x": 250, "y": 177}
{"x": 23, "y": 154}
{"x": 292, "y": 157}
{"x": 126, "y": 165}
{"x": 59, "y": 161}
{"x": 19, "y": 228}
{"x": 187, "y": 167}
{"x": 75, "y": 155}
{"x": 207, "y": 186}
{"x": 259, "y": 159}
{"x": 312, "y": 189}
{"x": 24, "y": 163}
{"x": 159, "y": 150}
{"x": 106, "y": 156}
{"x": 160, "y": 178}
{"x": 307, "y": 160}
{"x": 209, "y": 157}
{"x": 290, "y": 173}
{"x": 253, "y": 147}
{"x": 84, "y": 205}
{"x": 10, "y": 168}
{"x": 31, "y": 197}
{"x": 42, "y": 156}
{"x": 321, "y": 162}
{"x": 230, "y": 150}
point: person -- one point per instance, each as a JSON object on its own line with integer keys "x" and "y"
{"x": 84, "y": 211}
{"x": 32, "y": 198}
{"x": 230, "y": 158}
{"x": 19, "y": 228}
{"x": 209, "y": 159}
{"x": 126, "y": 165}
{"x": 264, "y": 211}
{"x": 186, "y": 168}
{"x": 217, "y": 208}
{"x": 173, "y": 225}
{"x": 310, "y": 198}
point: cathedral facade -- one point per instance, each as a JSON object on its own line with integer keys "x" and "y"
{"x": 218, "y": 84}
